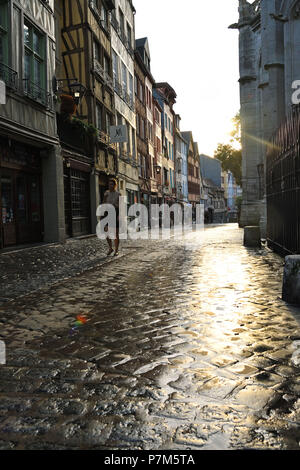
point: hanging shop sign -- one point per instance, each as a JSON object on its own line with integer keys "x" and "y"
{"x": 118, "y": 134}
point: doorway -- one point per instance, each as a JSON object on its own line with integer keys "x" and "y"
{"x": 21, "y": 212}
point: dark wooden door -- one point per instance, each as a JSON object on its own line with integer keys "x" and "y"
{"x": 21, "y": 211}
{"x": 28, "y": 203}
{"x": 8, "y": 215}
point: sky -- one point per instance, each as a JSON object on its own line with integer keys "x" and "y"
{"x": 193, "y": 50}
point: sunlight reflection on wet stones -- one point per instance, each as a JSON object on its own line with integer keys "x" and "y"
{"x": 190, "y": 344}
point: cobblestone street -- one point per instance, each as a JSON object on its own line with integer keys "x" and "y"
{"x": 188, "y": 346}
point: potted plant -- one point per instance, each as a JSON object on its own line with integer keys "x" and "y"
{"x": 68, "y": 106}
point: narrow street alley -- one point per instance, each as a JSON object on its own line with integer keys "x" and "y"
{"x": 188, "y": 345}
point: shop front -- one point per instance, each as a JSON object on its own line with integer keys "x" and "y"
{"x": 77, "y": 197}
{"x": 20, "y": 194}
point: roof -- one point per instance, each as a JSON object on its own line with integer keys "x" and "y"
{"x": 141, "y": 42}
{"x": 143, "y": 67}
{"x": 187, "y": 136}
{"x": 180, "y": 133}
{"x": 207, "y": 156}
{"x": 168, "y": 92}
{"x": 210, "y": 184}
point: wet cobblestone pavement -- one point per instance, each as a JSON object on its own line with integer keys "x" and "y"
{"x": 188, "y": 346}
{"x": 33, "y": 268}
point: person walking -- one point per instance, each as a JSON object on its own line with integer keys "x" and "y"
{"x": 112, "y": 197}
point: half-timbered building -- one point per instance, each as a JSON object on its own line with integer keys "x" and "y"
{"x": 194, "y": 173}
{"x": 122, "y": 40}
{"x": 85, "y": 59}
{"x": 166, "y": 96}
{"x": 31, "y": 175}
{"x": 143, "y": 57}
{"x": 158, "y": 150}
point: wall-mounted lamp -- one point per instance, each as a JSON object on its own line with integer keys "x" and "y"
{"x": 158, "y": 169}
{"x": 77, "y": 89}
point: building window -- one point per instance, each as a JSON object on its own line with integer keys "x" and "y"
{"x": 141, "y": 92}
{"x": 122, "y": 24}
{"x": 150, "y": 100}
{"x": 158, "y": 145}
{"x": 124, "y": 78}
{"x": 100, "y": 12}
{"x": 97, "y": 51}
{"x": 80, "y": 199}
{"x": 129, "y": 36}
{"x": 34, "y": 63}
{"x": 142, "y": 129}
{"x": 120, "y": 123}
{"x": 99, "y": 116}
{"x": 150, "y": 132}
{"x": 133, "y": 144}
{"x": 3, "y": 33}
{"x": 104, "y": 17}
{"x": 135, "y": 85}
{"x": 115, "y": 62}
{"x": 129, "y": 139}
{"x": 106, "y": 64}
{"x": 157, "y": 117}
{"x": 131, "y": 89}
{"x": 109, "y": 122}
{"x": 95, "y": 4}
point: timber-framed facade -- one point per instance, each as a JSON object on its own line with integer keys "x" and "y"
{"x": 122, "y": 41}
{"x": 85, "y": 48}
{"x": 166, "y": 96}
{"x": 142, "y": 130}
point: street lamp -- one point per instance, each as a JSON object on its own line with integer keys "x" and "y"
{"x": 158, "y": 169}
{"x": 77, "y": 89}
